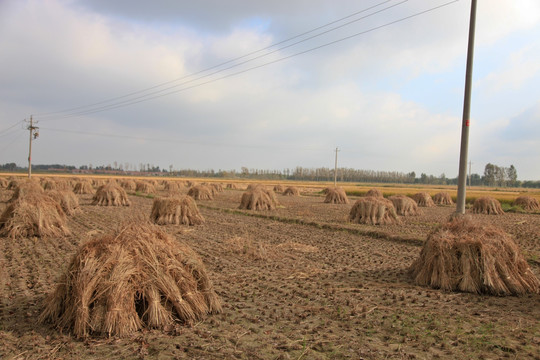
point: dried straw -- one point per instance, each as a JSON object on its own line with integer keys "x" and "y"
{"x": 13, "y": 184}
{"x": 83, "y": 187}
{"x": 67, "y": 200}
{"x": 33, "y": 214}
{"x": 291, "y": 191}
{"x": 232, "y": 186}
{"x": 179, "y": 210}
{"x": 278, "y": 188}
{"x": 374, "y": 193}
{"x": 128, "y": 185}
{"x": 373, "y": 211}
{"x": 145, "y": 187}
{"x": 404, "y": 205}
{"x": 443, "y": 198}
{"x": 464, "y": 255}
{"x": 527, "y": 203}
{"x": 201, "y": 192}
{"x": 27, "y": 186}
{"x": 336, "y": 196}
{"x": 423, "y": 199}
{"x": 172, "y": 186}
{"x": 110, "y": 194}
{"x": 56, "y": 185}
{"x": 218, "y": 187}
{"x": 3, "y": 183}
{"x": 138, "y": 277}
{"x": 487, "y": 205}
{"x": 258, "y": 198}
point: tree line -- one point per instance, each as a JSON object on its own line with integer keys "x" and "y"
{"x": 494, "y": 175}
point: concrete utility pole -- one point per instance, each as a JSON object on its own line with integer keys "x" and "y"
{"x": 33, "y": 134}
{"x": 462, "y": 179}
{"x": 470, "y": 183}
{"x": 335, "y": 169}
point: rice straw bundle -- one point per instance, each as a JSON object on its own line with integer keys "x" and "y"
{"x": 423, "y": 199}
{"x": 179, "y": 210}
{"x": 201, "y": 192}
{"x": 464, "y": 255}
{"x": 138, "y": 277}
{"x": 258, "y": 198}
{"x": 405, "y": 206}
{"x": 110, "y": 194}
{"x": 487, "y": 205}
{"x": 33, "y": 214}
{"x": 443, "y": 198}
{"x": 336, "y": 196}
{"x": 291, "y": 191}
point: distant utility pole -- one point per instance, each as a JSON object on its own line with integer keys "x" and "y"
{"x": 335, "y": 169}
{"x": 462, "y": 180}
{"x": 33, "y": 134}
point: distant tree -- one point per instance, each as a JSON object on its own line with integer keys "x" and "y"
{"x": 511, "y": 175}
{"x": 489, "y": 174}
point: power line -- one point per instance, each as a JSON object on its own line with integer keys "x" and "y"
{"x": 11, "y": 127}
{"x": 11, "y": 142}
{"x": 176, "y": 141}
{"x": 147, "y": 98}
{"x": 10, "y": 133}
{"x": 235, "y": 59}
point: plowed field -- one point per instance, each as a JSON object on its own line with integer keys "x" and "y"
{"x": 298, "y": 282}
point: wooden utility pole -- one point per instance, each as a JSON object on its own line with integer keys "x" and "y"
{"x": 462, "y": 179}
{"x": 33, "y": 134}
{"x": 335, "y": 169}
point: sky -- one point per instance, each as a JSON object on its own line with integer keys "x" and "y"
{"x": 270, "y": 84}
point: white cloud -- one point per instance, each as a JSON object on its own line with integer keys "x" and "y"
{"x": 282, "y": 115}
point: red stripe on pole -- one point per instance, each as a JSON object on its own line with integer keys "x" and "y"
{"x": 468, "y": 122}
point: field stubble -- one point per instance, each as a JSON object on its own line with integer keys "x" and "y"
{"x": 296, "y": 282}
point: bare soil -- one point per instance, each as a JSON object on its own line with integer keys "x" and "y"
{"x": 298, "y": 282}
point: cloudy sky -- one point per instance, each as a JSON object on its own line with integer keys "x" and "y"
{"x": 217, "y": 84}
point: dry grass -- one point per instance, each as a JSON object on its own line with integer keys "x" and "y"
{"x": 145, "y": 187}
{"x": 258, "y": 198}
{"x": 278, "y": 188}
{"x": 83, "y": 187}
{"x": 201, "y": 192}
{"x": 110, "y": 194}
{"x": 178, "y": 210}
{"x": 128, "y": 185}
{"x": 138, "y": 277}
{"x": 443, "y": 198}
{"x": 62, "y": 185}
{"x": 404, "y": 205}
{"x": 172, "y": 186}
{"x": 423, "y": 199}
{"x": 98, "y": 182}
{"x": 232, "y": 186}
{"x": 254, "y": 186}
{"x": 13, "y": 184}
{"x": 291, "y": 191}
{"x": 487, "y": 205}
{"x": 3, "y": 183}
{"x": 374, "y": 193}
{"x": 218, "y": 187}
{"x": 464, "y": 255}
{"x": 26, "y": 186}
{"x": 33, "y": 214}
{"x": 246, "y": 246}
{"x": 527, "y": 203}
{"x": 67, "y": 200}
{"x": 373, "y": 211}
{"x": 336, "y": 196}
